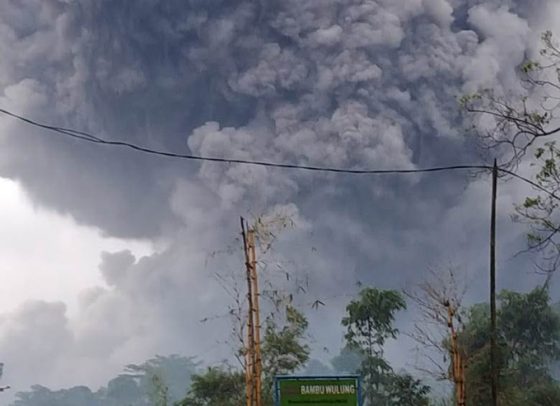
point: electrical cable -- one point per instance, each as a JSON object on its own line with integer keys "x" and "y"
{"x": 84, "y": 136}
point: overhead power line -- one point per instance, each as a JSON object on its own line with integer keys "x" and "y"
{"x": 87, "y": 137}
{"x": 83, "y": 136}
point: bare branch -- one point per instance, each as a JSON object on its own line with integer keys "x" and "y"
{"x": 437, "y": 298}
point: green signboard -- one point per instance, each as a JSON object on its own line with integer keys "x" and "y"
{"x": 318, "y": 391}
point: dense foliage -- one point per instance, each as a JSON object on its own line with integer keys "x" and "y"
{"x": 529, "y": 342}
{"x": 369, "y": 324}
{"x": 529, "y": 353}
{"x": 161, "y": 379}
{"x": 217, "y": 386}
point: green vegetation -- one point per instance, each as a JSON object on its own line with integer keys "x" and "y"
{"x": 216, "y": 386}
{"x": 158, "y": 381}
{"x": 369, "y": 324}
{"x": 513, "y": 126}
{"x": 529, "y": 343}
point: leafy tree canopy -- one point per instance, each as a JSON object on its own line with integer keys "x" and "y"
{"x": 528, "y": 342}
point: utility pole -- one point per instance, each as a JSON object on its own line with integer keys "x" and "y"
{"x": 493, "y": 334}
{"x": 253, "y": 360}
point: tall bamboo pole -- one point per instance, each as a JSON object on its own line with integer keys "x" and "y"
{"x": 257, "y": 368}
{"x": 253, "y": 359}
{"x": 249, "y": 347}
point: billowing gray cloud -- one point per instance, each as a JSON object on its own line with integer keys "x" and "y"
{"x": 360, "y": 83}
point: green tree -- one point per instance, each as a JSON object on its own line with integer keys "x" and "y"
{"x": 123, "y": 390}
{"x": 404, "y": 390}
{"x": 283, "y": 352}
{"x": 283, "y": 348}
{"x": 216, "y": 387}
{"x": 369, "y": 323}
{"x": 348, "y": 361}
{"x": 163, "y": 380}
{"x": 529, "y": 340}
{"x": 522, "y": 125}
{"x": 159, "y": 381}
{"x": 41, "y": 396}
{"x": 544, "y": 394}
{"x": 159, "y": 395}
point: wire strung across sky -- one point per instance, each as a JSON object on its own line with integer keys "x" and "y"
{"x": 87, "y": 137}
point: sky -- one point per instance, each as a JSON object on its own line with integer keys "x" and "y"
{"x": 109, "y": 257}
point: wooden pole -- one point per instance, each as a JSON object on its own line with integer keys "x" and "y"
{"x": 253, "y": 359}
{"x": 493, "y": 334}
{"x": 257, "y": 369}
{"x": 249, "y": 347}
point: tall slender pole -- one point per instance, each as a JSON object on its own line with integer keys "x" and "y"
{"x": 493, "y": 334}
{"x": 249, "y": 348}
{"x": 257, "y": 368}
{"x": 253, "y": 360}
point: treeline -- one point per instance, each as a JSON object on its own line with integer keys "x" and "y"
{"x": 529, "y": 350}
{"x": 161, "y": 380}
